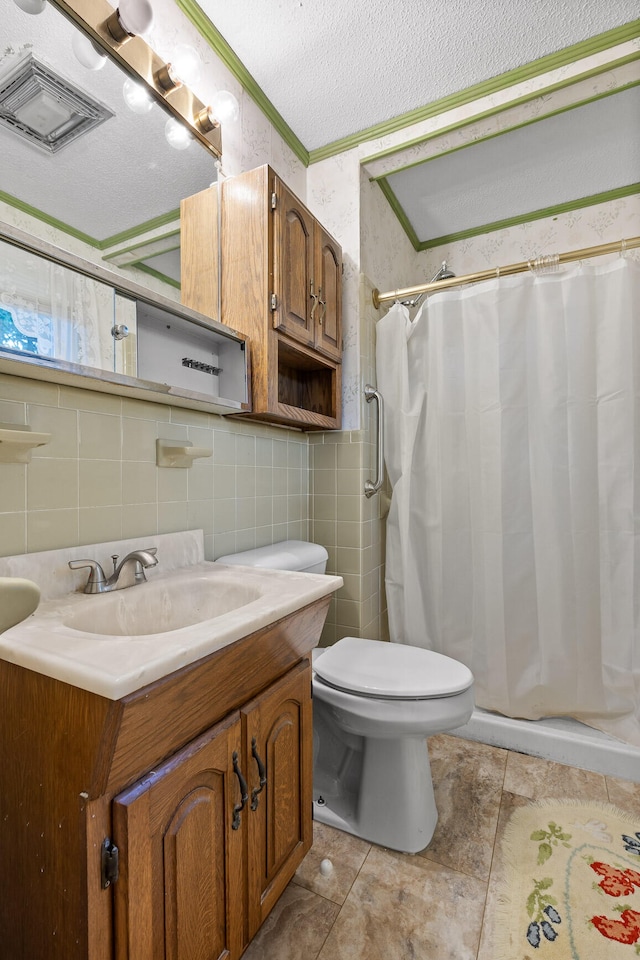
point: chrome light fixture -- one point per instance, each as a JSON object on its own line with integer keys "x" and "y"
{"x": 167, "y": 78}
{"x": 176, "y": 134}
{"x": 137, "y": 98}
{"x": 225, "y": 106}
{"x": 206, "y": 121}
{"x": 31, "y": 6}
{"x": 86, "y": 52}
{"x": 132, "y": 18}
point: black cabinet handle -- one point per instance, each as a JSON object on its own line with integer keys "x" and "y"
{"x": 262, "y": 773}
{"x": 235, "y": 823}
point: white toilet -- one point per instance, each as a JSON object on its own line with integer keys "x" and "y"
{"x": 374, "y": 705}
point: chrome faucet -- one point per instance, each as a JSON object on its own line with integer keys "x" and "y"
{"x": 127, "y": 573}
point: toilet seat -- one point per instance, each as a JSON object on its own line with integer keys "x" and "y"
{"x": 391, "y": 671}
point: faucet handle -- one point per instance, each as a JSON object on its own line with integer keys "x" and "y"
{"x": 96, "y": 574}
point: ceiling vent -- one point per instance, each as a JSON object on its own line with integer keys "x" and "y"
{"x": 43, "y": 108}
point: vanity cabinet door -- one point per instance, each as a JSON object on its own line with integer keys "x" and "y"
{"x": 180, "y": 891}
{"x": 277, "y": 728}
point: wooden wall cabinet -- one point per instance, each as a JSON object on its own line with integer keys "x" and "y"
{"x": 280, "y": 285}
{"x": 203, "y": 782}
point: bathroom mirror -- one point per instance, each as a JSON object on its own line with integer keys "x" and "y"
{"x": 72, "y": 322}
{"x": 113, "y": 182}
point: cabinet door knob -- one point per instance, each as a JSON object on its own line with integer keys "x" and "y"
{"x": 244, "y": 793}
{"x": 262, "y": 773}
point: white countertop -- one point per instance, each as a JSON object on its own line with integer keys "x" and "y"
{"x": 116, "y": 664}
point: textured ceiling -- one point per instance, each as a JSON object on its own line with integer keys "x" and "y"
{"x": 332, "y": 68}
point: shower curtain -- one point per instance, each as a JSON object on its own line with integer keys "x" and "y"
{"x": 512, "y": 422}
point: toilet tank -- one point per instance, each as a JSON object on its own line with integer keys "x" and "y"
{"x": 286, "y": 555}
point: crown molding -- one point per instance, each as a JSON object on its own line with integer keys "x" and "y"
{"x": 222, "y": 49}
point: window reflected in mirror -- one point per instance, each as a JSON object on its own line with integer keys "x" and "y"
{"x": 53, "y": 313}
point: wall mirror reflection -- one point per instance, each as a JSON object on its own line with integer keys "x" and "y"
{"x": 60, "y": 323}
{"x": 114, "y": 180}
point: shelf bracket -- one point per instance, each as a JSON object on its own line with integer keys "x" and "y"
{"x": 178, "y": 453}
{"x": 17, "y": 441}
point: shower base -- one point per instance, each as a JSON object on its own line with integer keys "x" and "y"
{"x": 555, "y": 738}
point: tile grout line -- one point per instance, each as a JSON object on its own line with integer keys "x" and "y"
{"x": 493, "y": 856}
{"x": 329, "y": 900}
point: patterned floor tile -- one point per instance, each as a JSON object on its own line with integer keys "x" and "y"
{"x": 491, "y": 932}
{"x": 295, "y": 929}
{"x": 405, "y": 908}
{"x": 442, "y": 904}
{"x": 467, "y": 779}
{"x": 536, "y": 779}
{"x": 624, "y": 794}
{"x": 346, "y": 853}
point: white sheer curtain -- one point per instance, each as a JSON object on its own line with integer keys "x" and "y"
{"x": 513, "y": 541}
{"x": 69, "y": 315}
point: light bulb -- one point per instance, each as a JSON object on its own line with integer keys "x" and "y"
{"x": 31, "y": 6}
{"x": 177, "y": 134}
{"x": 186, "y": 64}
{"x": 86, "y": 52}
{"x": 225, "y": 107}
{"x": 136, "y": 97}
{"x": 135, "y": 16}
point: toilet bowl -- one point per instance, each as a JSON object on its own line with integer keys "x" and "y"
{"x": 374, "y": 705}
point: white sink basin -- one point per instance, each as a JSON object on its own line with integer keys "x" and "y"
{"x": 115, "y": 643}
{"x": 160, "y": 607}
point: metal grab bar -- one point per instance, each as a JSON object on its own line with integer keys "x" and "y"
{"x": 372, "y": 486}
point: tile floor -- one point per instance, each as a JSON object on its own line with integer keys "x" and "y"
{"x": 372, "y": 906}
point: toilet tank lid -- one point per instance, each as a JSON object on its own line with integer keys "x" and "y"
{"x": 286, "y": 555}
{"x": 375, "y": 668}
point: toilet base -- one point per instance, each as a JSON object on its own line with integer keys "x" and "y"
{"x": 393, "y": 805}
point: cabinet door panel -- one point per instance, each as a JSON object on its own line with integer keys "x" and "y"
{"x": 293, "y": 267}
{"x": 194, "y": 875}
{"x": 328, "y": 272}
{"x": 179, "y": 896}
{"x": 278, "y": 725}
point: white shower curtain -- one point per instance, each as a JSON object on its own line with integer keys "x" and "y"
{"x": 512, "y": 415}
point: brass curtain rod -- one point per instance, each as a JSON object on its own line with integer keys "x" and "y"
{"x": 407, "y": 293}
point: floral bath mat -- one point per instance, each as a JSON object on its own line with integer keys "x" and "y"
{"x": 572, "y": 884}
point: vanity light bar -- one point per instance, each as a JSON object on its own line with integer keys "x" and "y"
{"x": 202, "y": 367}
{"x": 137, "y": 58}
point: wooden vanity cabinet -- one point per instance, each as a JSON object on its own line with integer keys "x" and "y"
{"x": 280, "y": 285}
{"x": 185, "y": 831}
{"x": 161, "y": 775}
